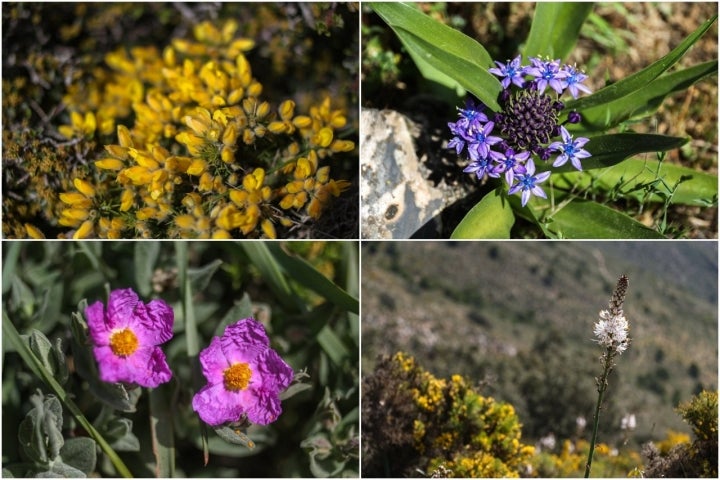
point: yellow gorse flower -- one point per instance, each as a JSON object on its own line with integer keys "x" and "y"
{"x": 206, "y": 156}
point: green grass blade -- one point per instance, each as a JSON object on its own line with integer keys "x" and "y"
{"x": 12, "y": 252}
{"x": 555, "y": 28}
{"x": 641, "y": 79}
{"x": 491, "y": 217}
{"x": 161, "y": 428}
{"x": 34, "y": 364}
{"x": 309, "y": 277}
{"x": 444, "y": 48}
{"x": 332, "y": 345}
{"x": 192, "y": 336}
{"x": 261, "y": 256}
{"x": 145, "y": 257}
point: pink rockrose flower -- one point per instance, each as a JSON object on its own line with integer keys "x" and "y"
{"x": 245, "y": 377}
{"x": 126, "y": 338}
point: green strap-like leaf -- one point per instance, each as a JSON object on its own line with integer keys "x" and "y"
{"x": 555, "y": 28}
{"x": 491, "y": 217}
{"x": 192, "y": 335}
{"x": 444, "y": 48}
{"x": 145, "y": 257}
{"x": 162, "y": 431}
{"x": 647, "y": 100}
{"x": 261, "y": 256}
{"x": 585, "y": 219}
{"x": 609, "y": 150}
{"x": 633, "y": 175}
{"x": 309, "y": 277}
{"x": 333, "y": 345}
{"x": 641, "y": 79}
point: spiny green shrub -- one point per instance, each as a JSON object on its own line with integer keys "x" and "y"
{"x": 685, "y": 459}
{"x": 413, "y": 420}
{"x": 179, "y": 139}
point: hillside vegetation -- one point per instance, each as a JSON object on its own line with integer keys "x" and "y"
{"x": 517, "y": 318}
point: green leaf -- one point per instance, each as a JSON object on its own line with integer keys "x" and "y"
{"x": 118, "y": 431}
{"x": 162, "y": 431}
{"x": 192, "y": 336}
{"x": 491, "y": 217}
{"x": 609, "y": 150}
{"x": 308, "y": 276}
{"x": 323, "y": 464}
{"x": 555, "y": 28}
{"x": 641, "y": 79}
{"x": 61, "y": 470}
{"x": 145, "y": 258}
{"x": 11, "y": 333}
{"x": 261, "y": 437}
{"x": 632, "y": 176}
{"x": 200, "y": 277}
{"x": 40, "y": 432}
{"x": 93, "y": 252}
{"x": 241, "y": 309}
{"x": 647, "y": 100}
{"x": 261, "y": 256}
{"x": 585, "y": 219}
{"x": 443, "y": 48}
{"x": 432, "y": 74}
{"x": 296, "y": 386}
{"x": 51, "y": 357}
{"x": 234, "y": 436}
{"x": 80, "y": 453}
{"x": 22, "y": 296}
{"x": 332, "y": 345}
{"x": 11, "y": 251}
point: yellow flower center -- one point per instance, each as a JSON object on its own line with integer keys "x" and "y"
{"x": 237, "y": 377}
{"x": 123, "y": 342}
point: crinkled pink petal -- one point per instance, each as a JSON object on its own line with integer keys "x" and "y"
{"x": 111, "y": 367}
{"x": 275, "y": 373}
{"x": 247, "y": 342}
{"x": 216, "y": 406}
{"x": 121, "y": 307}
{"x": 266, "y": 407}
{"x": 244, "y": 341}
{"x": 147, "y": 367}
{"x": 151, "y": 324}
{"x": 247, "y": 332}
{"x": 213, "y": 362}
{"x": 98, "y": 329}
{"x": 154, "y": 322}
{"x": 150, "y": 367}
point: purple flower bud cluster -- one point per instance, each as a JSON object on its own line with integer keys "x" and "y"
{"x": 504, "y": 143}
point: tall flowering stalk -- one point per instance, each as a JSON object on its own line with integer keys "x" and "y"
{"x": 611, "y": 332}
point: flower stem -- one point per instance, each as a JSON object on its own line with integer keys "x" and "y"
{"x": 602, "y": 386}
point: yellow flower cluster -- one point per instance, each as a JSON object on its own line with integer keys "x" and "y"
{"x": 570, "y": 461}
{"x": 206, "y": 157}
{"x": 469, "y": 434}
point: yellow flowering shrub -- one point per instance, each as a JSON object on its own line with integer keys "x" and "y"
{"x": 190, "y": 147}
{"x": 570, "y": 461}
{"x": 446, "y": 423}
